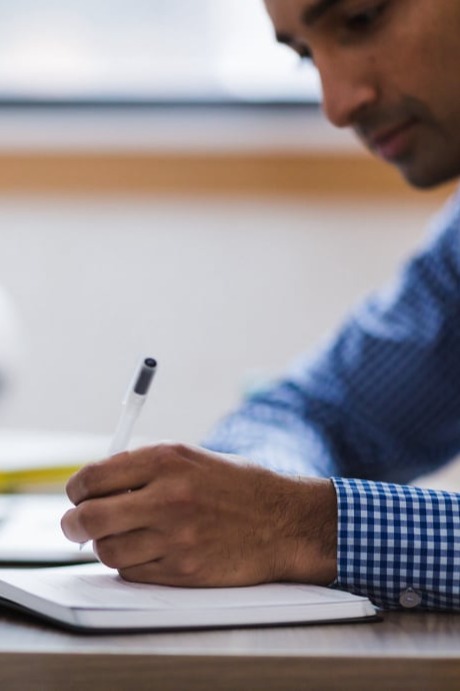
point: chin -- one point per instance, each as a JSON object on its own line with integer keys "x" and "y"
{"x": 429, "y": 179}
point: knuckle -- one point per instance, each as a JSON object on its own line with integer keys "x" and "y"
{"x": 181, "y": 493}
{"x": 188, "y": 567}
{"x": 181, "y": 449}
{"x": 162, "y": 456}
{"x": 165, "y": 448}
{"x": 187, "y": 540}
{"x": 168, "y": 458}
{"x": 170, "y": 448}
{"x": 179, "y": 500}
{"x": 88, "y": 478}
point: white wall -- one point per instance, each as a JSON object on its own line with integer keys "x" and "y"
{"x": 218, "y": 291}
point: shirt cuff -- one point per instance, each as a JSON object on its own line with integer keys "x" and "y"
{"x": 398, "y": 545}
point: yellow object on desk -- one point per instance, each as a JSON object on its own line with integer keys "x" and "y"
{"x": 30, "y": 460}
{"x": 33, "y": 464}
{"x": 28, "y": 479}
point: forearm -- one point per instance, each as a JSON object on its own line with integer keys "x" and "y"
{"x": 381, "y": 399}
{"x": 275, "y": 436}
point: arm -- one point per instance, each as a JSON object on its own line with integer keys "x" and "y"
{"x": 195, "y": 518}
{"x": 382, "y": 399}
{"x": 192, "y": 517}
{"x": 382, "y": 402}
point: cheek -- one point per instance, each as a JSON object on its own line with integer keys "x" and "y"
{"x": 427, "y": 48}
{"x": 417, "y": 82}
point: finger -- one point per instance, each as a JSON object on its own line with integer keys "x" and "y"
{"x": 150, "y": 572}
{"x": 130, "y": 549}
{"x": 99, "y": 479}
{"x": 124, "y": 471}
{"x": 94, "y": 519}
{"x": 183, "y": 568}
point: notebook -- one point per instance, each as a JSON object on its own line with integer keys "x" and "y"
{"x": 94, "y": 597}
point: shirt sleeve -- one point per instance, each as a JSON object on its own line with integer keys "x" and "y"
{"x": 381, "y": 402}
{"x": 381, "y": 398}
{"x": 399, "y": 545}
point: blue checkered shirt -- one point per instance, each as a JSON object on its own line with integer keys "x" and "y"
{"x": 378, "y": 404}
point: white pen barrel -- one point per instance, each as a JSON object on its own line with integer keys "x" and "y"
{"x": 124, "y": 429}
{"x": 132, "y": 405}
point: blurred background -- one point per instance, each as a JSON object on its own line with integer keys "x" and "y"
{"x": 209, "y": 50}
{"x": 169, "y": 187}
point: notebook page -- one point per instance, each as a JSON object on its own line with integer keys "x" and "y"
{"x": 97, "y": 587}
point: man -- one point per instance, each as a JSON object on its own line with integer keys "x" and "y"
{"x": 381, "y": 402}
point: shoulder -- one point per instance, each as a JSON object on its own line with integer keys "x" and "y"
{"x": 444, "y": 230}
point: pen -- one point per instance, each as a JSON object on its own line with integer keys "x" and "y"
{"x": 132, "y": 406}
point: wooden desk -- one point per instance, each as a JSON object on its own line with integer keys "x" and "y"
{"x": 408, "y": 651}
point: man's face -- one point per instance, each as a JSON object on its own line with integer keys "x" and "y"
{"x": 390, "y": 69}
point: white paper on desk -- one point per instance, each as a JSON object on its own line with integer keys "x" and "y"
{"x": 95, "y": 586}
{"x": 30, "y": 530}
{"x": 94, "y": 597}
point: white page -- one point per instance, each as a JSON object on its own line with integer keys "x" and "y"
{"x": 97, "y": 587}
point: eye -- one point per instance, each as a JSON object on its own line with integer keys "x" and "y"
{"x": 365, "y": 19}
{"x": 304, "y": 55}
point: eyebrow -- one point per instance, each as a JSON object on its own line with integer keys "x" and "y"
{"x": 312, "y": 14}
{"x": 309, "y": 17}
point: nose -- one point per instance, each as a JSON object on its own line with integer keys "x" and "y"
{"x": 347, "y": 93}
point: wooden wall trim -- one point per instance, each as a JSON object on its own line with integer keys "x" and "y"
{"x": 274, "y": 174}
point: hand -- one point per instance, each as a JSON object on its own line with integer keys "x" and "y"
{"x": 179, "y": 515}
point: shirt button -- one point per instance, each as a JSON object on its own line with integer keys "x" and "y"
{"x": 410, "y": 598}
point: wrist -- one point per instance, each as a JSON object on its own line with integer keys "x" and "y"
{"x": 310, "y": 545}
